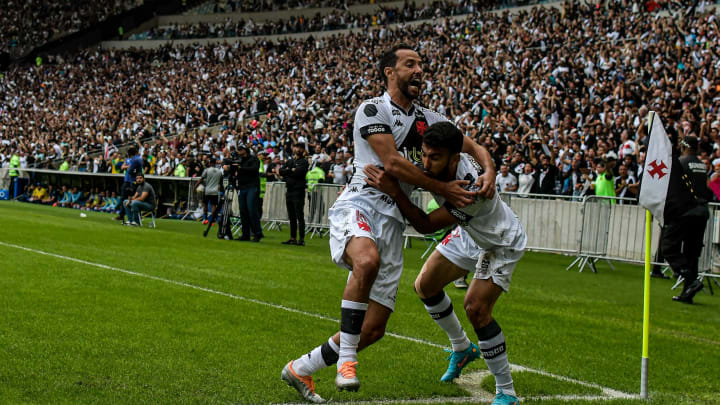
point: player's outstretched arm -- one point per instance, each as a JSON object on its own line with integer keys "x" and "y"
{"x": 400, "y": 168}
{"x": 486, "y": 181}
{"x": 422, "y": 222}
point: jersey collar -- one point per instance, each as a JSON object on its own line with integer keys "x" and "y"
{"x": 408, "y": 112}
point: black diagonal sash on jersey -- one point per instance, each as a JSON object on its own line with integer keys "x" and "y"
{"x": 411, "y": 147}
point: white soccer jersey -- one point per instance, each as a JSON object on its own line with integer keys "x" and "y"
{"x": 381, "y": 116}
{"x": 490, "y": 223}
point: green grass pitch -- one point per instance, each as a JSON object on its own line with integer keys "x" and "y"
{"x": 197, "y": 320}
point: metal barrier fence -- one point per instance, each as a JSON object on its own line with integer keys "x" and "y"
{"x": 594, "y": 228}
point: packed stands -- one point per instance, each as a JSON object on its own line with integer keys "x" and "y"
{"x": 27, "y": 24}
{"x": 550, "y": 91}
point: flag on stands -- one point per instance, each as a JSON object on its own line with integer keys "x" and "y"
{"x": 656, "y": 173}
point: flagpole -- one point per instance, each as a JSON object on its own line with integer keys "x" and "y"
{"x": 646, "y": 307}
{"x": 646, "y": 296}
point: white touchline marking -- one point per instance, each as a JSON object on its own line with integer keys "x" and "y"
{"x": 608, "y": 393}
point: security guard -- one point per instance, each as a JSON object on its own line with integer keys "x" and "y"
{"x": 686, "y": 215}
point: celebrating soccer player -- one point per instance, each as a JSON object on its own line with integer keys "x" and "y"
{"x": 365, "y": 225}
{"x": 489, "y": 241}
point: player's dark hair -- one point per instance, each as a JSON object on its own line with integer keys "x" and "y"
{"x": 389, "y": 58}
{"x": 444, "y": 135}
{"x": 132, "y": 151}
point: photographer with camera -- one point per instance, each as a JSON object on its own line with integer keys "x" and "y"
{"x": 246, "y": 178}
{"x": 293, "y": 173}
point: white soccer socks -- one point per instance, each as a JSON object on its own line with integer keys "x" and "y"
{"x": 492, "y": 346}
{"x": 320, "y": 357}
{"x": 351, "y": 320}
{"x": 441, "y": 310}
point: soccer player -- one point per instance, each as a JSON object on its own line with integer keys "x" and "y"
{"x": 365, "y": 225}
{"x": 489, "y": 241}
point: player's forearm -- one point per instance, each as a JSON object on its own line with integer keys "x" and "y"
{"x": 414, "y": 215}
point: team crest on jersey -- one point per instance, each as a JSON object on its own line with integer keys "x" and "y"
{"x": 362, "y": 222}
{"x": 421, "y": 127}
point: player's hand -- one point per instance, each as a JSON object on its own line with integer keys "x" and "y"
{"x": 486, "y": 183}
{"x": 380, "y": 180}
{"x": 456, "y": 194}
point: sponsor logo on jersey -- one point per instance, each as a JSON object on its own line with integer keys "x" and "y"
{"x": 373, "y": 129}
{"x": 370, "y": 110}
{"x": 398, "y": 123}
{"x": 396, "y": 112}
{"x": 387, "y": 200}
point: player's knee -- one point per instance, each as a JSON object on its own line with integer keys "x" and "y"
{"x": 366, "y": 265}
{"x": 478, "y": 311}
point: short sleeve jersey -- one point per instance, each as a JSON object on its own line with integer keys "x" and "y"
{"x": 490, "y": 222}
{"x": 381, "y": 116}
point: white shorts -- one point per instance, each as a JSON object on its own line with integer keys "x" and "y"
{"x": 499, "y": 263}
{"x": 347, "y": 220}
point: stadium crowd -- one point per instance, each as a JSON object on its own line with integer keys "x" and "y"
{"x": 27, "y": 24}
{"x": 234, "y": 6}
{"x": 338, "y": 19}
{"x": 556, "y": 95}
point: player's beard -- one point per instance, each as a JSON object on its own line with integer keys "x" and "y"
{"x": 403, "y": 86}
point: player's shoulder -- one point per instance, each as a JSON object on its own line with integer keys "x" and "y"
{"x": 373, "y": 106}
{"x": 430, "y": 115}
{"x": 468, "y": 166}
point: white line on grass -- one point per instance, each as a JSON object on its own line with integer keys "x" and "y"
{"x": 608, "y": 393}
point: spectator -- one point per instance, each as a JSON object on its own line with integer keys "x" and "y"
{"x": 293, "y": 172}
{"x": 623, "y": 184}
{"x": 506, "y": 182}
{"x": 339, "y": 171}
{"x": 527, "y": 181}
{"x": 546, "y": 176}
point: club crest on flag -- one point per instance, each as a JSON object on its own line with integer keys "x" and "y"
{"x": 658, "y": 165}
{"x": 657, "y": 169}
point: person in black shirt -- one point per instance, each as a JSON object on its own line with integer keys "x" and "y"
{"x": 293, "y": 173}
{"x": 247, "y": 184}
{"x": 686, "y": 215}
{"x": 546, "y": 176}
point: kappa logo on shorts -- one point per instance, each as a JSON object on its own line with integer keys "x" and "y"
{"x": 362, "y": 222}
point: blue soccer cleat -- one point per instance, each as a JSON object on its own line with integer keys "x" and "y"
{"x": 505, "y": 399}
{"x": 458, "y": 361}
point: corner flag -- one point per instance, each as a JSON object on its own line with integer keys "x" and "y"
{"x": 656, "y": 173}
{"x": 653, "y": 193}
